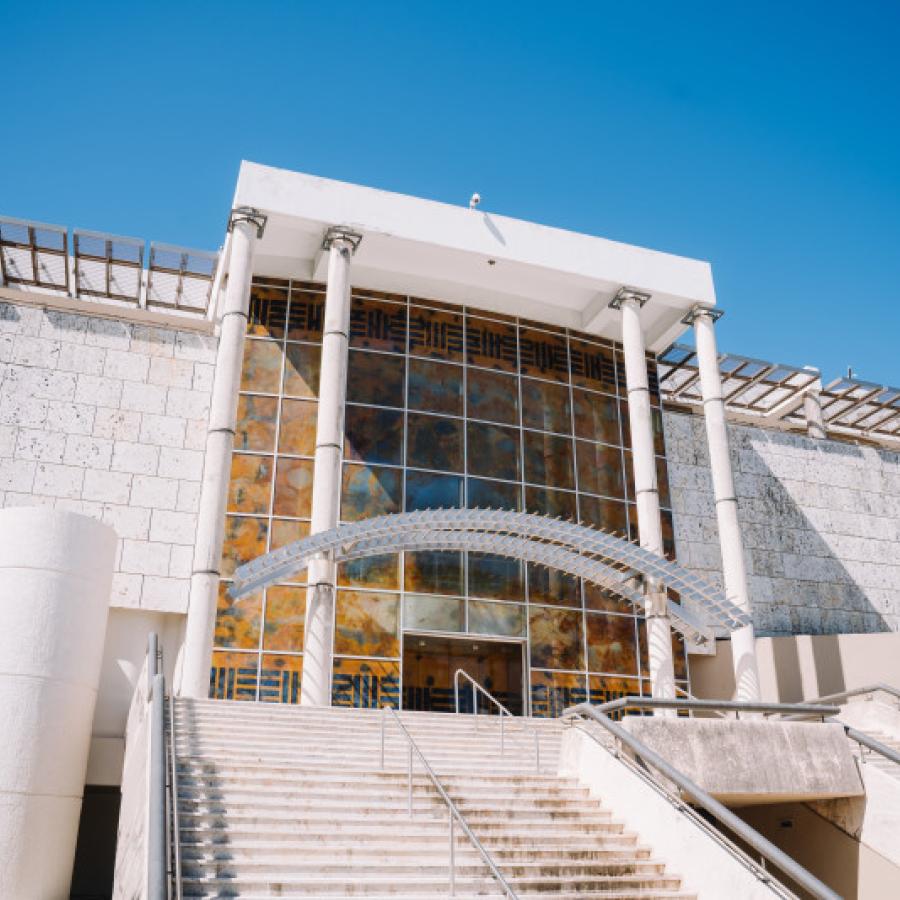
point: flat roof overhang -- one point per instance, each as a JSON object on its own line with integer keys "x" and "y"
{"x": 452, "y": 253}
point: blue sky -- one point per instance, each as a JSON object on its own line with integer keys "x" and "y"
{"x": 762, "y": 137}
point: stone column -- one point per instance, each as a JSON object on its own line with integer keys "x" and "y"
{"x": 743, "y": 644}
{"x": 315, "y": 687}
{"x": 246, "y": 226}
{"x": 659, "y": 631}
{"x": 55, "y": 580}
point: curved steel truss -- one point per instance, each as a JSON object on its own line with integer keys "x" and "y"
{"x": 611, "y": 562}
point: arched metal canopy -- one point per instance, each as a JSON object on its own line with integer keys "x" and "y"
{"x": 606, "y": 560}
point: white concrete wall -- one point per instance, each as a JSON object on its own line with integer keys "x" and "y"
{"x": 55, "y": 573}
{"x": 820, "y": 522}
{"x": 108, "y": 418}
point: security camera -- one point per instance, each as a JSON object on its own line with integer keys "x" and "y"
{"x": 474, "y": 200}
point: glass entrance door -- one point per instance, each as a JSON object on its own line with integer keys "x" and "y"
{"x": 429, "y": 664}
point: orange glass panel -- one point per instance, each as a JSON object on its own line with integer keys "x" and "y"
{"x": 554, "y": 692}
{"x": 237, "y": 621}
{"x": 268, "y": 308}
{"x": 372, "y": 571}
{"x": 555, "y": 638}
{"x": 546, "y": 406}
{"x": 491, "y": 345}
{"x": 261, "y": 371}
{"x": 435, "y": 387}
{"x": 286, "y": 531}
{"x": 596, "y": 417}
{"x": 233, "y": 676}
{"x": 493, "y": 451}
{"x": 548, "y": 459}
{"x": 376, "y": 325}
{"x": 600, "y": 469}
{"x": 245, "y": 539}
{"x": 604, "y": 688}
{"x": 285, "y": 618}
{"x": 434, "y": 572}
{"x": 256, "y": 417}
{"x": 546, "y": 502}
{"x": 435, "y": 334}
{"x": 592, "y": 366}
{"x": 492, "y": 396}
{"x": 301, "y": 370}
{"x": 373, "y": 435}
{"x": 368, "y": 491}
{"x": 552, "y": 586}
{"x": 250, "y": 487}
{"x": 602, "y": 600}
{"x": 367, "y": 624}
{"x": 307, "y": 315}
{"x": 543, "y": 355}
{"x": 609, "y": 515}
{"x": 434, "y": 442}
{"x": 612, "y": 644}
{"x": 376, "y": 378}
{"x": 279, "y": 678}
{"x": 298, "y": 427}
{"x": 365, "y": 683}
{"x": 293, "y": 487}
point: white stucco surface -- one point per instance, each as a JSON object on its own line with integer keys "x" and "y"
{"x": 820, "y": 521}
{"x": 55, "y": 574}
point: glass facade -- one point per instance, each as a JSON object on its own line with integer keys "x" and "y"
{"x": 447, "y": 406}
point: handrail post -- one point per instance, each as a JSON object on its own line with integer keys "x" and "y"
{"x": 452, "y": 857}
{"x": 152, "y": 659}
{"x": 456, "y": 690}
{"x": 474, "y": 699}
{"x": 156, "y": 838}
{"x": 537, "y": 751}
{"x": 383, "y": 715}
{"x": 409, "y": 787}
{"x": 502, "y": 743}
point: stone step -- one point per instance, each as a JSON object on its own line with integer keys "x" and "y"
{"x": 438, "y": 891}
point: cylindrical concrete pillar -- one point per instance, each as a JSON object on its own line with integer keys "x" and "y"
{"x": 192, "y": 679}
{"x": 743, "y": 643}
{"x": 659, "y": 631}
{"x": 55, "y": 581}
{"x": 315, "y": 686}
{"x": 812, "y": 410}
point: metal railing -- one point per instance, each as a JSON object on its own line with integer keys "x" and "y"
{"x": 504, "y": 712}
{"x": 737, "y": 826}
{"x": 454, "y": 815}
{"x": 163, "y": 838}
{"x": 868, "y": 691}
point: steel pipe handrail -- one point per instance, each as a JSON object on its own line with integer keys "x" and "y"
{"x": 454, "y": 812}
{"x": 176, "y": 821}
{"x": 719, "y": 811}
{"x": 157, "y": 828}
{"x": 737, "y": 706}
{"x": 866, "y": 741}
{"x": 878, "y": 687}
{"x": 689, "y": 696}
{"x": 503, "y": 712}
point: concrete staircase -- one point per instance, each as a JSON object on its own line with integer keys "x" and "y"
{"x": 286, "y": 802}
{"x": 871, "y": 758}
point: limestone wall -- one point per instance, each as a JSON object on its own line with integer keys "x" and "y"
{"x": 108, "y": 418}
{"x": 821, "y": 524}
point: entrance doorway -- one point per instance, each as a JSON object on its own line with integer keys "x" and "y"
{"x": 429, "y": 664}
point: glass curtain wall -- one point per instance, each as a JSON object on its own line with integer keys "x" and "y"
{"x": 446, "y": 407}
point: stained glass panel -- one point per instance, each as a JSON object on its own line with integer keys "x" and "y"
{"x": 285, "y": 618}
{"x": 543, "y": 355}
{"x": 434, "y": 443}
{"x": 554, "y": 692}
{"x": 548, "y": 459}
{"x": 376, "y": 378}
{"x": 381, "y": 571}
{"x": 600, "y": 469}
{"x": 435, "y": 334}
{"x": 491, "y": 345}
{"x": 434, "y": 387}
{"x": 233, "y": 676}
{"x": 293, "y": 487}
{"x": 556, "y": 640}
{"x": 545, "y": 502}
{"x": 307, "y": 316}
{"x": 268, "y": 308}
{"x": 368, "y": 491}
{"x": 546, "y": 406}
{"x": 425, "y": 490}
{"x": 256, "y": 420}
{"x": 245, "y": 539}
{"x": 261, "y": 372}
{"x": 250, "y": 487}
{"x": 279, "y": 678}
{"x": 286, "y": 531}
{"x": 298, "y": 427}
{"x": 433, "y": 572}
{"x": 494, "y": 494}
{"x": 596, "y": 417}
{"x": 504, "y": 619}
{"x": 365, "y": 683}
{"x": 608, "y": 515}
{"x": 376, "y": 325}
{"x": 302, "y": 363}
{"x": 373, "y": 435}
{"x": 496, "y": 577}
{"x": 612, "y": 644}
{"x": 424, "y": 613}
{"x": 552, "y": 586}
{"x": 602, "y": 600}
{"x": 592, "y": 366}
{"x": 493, "y": 451}
{"x": 367, "y": 624}
{"x": 492, "y": 396}
{"x": 237, "y": 621}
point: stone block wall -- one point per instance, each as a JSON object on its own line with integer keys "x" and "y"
{"x": 108, "y": 418}
{"x": 820, "y": 519}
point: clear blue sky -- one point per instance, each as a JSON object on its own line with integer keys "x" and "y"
{"x": 764, "y": 137}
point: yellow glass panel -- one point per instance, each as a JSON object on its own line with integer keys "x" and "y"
{"x": 285, "y": 618}
{"x": 261, "y": 372}
{"x": 555, "y": 638}
{"x": 233, "y": 676}
{"x": 245, "y": 539}
{"x": 286, "y": 531}
{"x": 367, "y": 624}
{"x": 365, "y": 683}
{"x": 612, "y": 644}
{"x": 279, "y": 678}
{"x": 250, "y": 487}
{"x": 256, "y": 418}
{"x": 237, "y": 621}
{"x": 603, "y": 688}
{"x": 293, "y": 487}
{"x": 554, "y": 692}
{"x": 298, "y": 427}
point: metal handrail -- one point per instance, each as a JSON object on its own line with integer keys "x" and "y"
{"x": 719, "y": 811}
{"x": 689, "y": 696}
{"x": 454, "y": 814}
{"x": 878, "y": 687}
{"x": 157, "y": 834}
{"x": 503, "y": 712}
{"x": 735, "y": 706}
{"x": 175, "y": 838}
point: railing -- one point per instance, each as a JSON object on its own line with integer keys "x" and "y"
{"x": 504, "y": 712}
{"x": 647, "y": 757}
{"x": 869, "y": 690}
{"x": 164, "y": 838}
{"x": 689, "y": 696}
{"x": 454, "y": 815}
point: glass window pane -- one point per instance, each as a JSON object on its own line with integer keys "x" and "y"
{"x": 679, "y": 654}
{"x": 548, "y": 459}
{"x": 662, "y": 482}
{"x": 435, "y": 334}
{"x": 496, "y": 618}
{"x": 596, "y": 417}
{"x": 307, "y": 314}
{"x": 293, "y": 487}
{"x": 668, "y": 534}
{"x": 233, "y": 676}
{"x": 285, "y": 618}
{"x": 376, "y": 378}
{"x": 491, "y": 345}
{"x": 626, "y": 423}
{"x": 268, "y": 308}
{"x": 554, "y": 692}
{"x": 261, "y": 370}
{"x": 556, "y": 641}
{"x": 433, "y": 613}
{"x": 279, "y": 678}
{"x": 642, "y": 644}
{"x": 373, "y": 435}
{"x": 237, "y": 621}
{"x": 543, "y": 355}
{"x": 612, "y": 644}
{"x": 609, "y": 515}
{"x": 425, "y": 490}
{"x": 369, "y": 491}
{"x": 367, "y": 624}
{"x": 497, "y": 577}
{"x": 381, "y": 571}
{"x": 552, "y": 586}
{"x": 603, "y": 689}
{"x": 545, "y": 502}
{"x": 365, "y": 683}
{"x": 434, "y": 443}
{"x": 286, "y": 531}
{"x": 302, "y": 363}
{"x": 376, "y": 325}
{"x": 493, "y": 452}
{"x": 600, "y": 469}
{"x": 256, "y": 418}
{"x": 494, "y": 495}
{"x": 250, "y": 487}
{"x": 603, "y": 600}
{"x": 546, "y": 406}
{"x": 245, "y": 539}
{"x": 298, "y": 427}
{"x": 659, "y": 441}
{"x": 434, "y": 387}
{"x": 433, "y": 572}
{"x": 592, "y": 366}
{"x": 492, "y": 396}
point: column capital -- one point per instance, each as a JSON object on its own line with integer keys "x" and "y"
{"x": 702, "y": 309}
{"x": 338, "y": 234}
{"x": 248, "y": 214}
{"x": 624, "y": 294}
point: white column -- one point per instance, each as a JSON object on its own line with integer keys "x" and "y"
{"x": 743, "y": 644}
{"x": 246, "y": 227}
{"x": 812, "y": 410}
{"x": 659, "y": 631}
{"x": 315, "y": 689}
{"x": 55, "y": 580}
